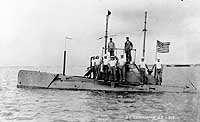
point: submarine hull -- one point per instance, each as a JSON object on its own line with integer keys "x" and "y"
{"x": 43, "y": 80}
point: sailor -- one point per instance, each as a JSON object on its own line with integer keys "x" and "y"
{"x": 88, "y": 73}
{"x": 93, "y": 71}
{"x": 121, "y": 66}
{"x": 112, "y": 66}
{"x": 128, "y": 47}
{"x": 159, "y": 69}
{"x": 142, "y": 70}
{"x": 97, "y": 66}
{"x": 111, "y": 47}
{"x": 105, "y": 66}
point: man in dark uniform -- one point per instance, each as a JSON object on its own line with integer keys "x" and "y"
{"x": 111, "y": 47}
{"x": 128, "y": 47}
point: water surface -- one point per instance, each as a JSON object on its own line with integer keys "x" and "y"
{"x": 43, "y": 105}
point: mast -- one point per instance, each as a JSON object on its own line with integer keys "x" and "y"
{"x": 145, "y": 22}
{"x": 106, "y": 32}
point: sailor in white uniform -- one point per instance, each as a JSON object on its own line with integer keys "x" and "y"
{"x": 142, "y": 70}
{"x": 159, "y": 69}
{"x": 112, "y": 65}
{"x": 105, "y": 66}
{"x": 121, "y": 66}
{"x": 97, "y": 66}
{"x": 93, "y": 67}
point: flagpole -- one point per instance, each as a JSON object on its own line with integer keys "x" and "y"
{"x": 155, "y": 70}
{"x": 156, "y": 50}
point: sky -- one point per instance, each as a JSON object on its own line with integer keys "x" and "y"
{"x": 32, "y": 32}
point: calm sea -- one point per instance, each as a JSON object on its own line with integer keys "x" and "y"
{"x": 40, "y": 105}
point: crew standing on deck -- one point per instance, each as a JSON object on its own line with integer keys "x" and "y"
{"x": 111, "y": 47}
{"x": 97, "y": 66}
{"x": 121, "y": 66}
{"x": 159, "y": 69}
{"x": 112, "y": 66}
{"x": 93, "y": 71}
{"x": 128, "y": 47}
{"x": 142, "y": 71}
{"x": 105, "y": 66}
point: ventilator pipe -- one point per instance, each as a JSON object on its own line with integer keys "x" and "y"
{"x": 64, "y": 62}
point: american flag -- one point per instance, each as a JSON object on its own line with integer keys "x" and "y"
{"x": 163, "y": 47}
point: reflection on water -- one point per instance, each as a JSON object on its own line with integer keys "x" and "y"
{"x": 40, "y": 105}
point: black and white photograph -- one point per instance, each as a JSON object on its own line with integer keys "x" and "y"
{"x": 99, "y": 61}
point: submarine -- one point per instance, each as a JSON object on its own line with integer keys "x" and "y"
{"x": 132, "y": 84}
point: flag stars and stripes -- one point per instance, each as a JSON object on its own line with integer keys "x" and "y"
{"x": 163, "y": 47}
